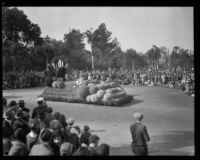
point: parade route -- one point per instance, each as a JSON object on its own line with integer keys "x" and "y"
{"x": 168, "y": 115}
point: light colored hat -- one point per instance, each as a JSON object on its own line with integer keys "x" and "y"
{"x": 40, "y": 99}
{"x": 138, "y": 116}
{"x": 70, "y": 121}
{"x": 74, "y": 131}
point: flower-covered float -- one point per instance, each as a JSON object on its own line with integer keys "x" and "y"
{"x": 87, "y": 92}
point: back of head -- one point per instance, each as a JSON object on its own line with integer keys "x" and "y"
{"x": 45, "y": 135}
{"x": 138, "y": 116}
{"x": 94, "y": 138}
{"x": 86, "y": 128}
{"x": 20, "y": 134}
{"x": 66, "y": 149}
{"x": 18, "y": 149}
{"x": 56, "y": 115}
{"x": 103, "y": 150}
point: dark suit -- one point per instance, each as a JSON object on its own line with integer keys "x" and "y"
{"x": 7, "y": 129}
{"x": 139, "y": 137}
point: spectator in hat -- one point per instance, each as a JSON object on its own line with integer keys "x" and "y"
{"x": 20, "y": 122}
{"x": 43, "y": 148}
{"x": 84, "y": 138}
{"x": 94, "y": 140}
{"x": 32, "y": 136}
{"x": 6, "y": 146}
{"x": 18, "y": 149}
{"x": 139, "y": 136}
{"x": 74, "y": 139}
{"x": 13, "y": 106}
{"x": 40, "y": 108}
{"x": 103, "y": 150}
{"x": 21, "y": 105}
{"x": 66, "y": 149}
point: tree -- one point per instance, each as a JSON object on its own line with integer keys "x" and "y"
{"x": 17, "y": 30}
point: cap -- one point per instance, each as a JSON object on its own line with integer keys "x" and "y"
{"x": 39, "y": 99}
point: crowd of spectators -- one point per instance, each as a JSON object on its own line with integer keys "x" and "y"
{"x": 46, "y": 133}
{"x": 179, "y": 79}
{"x": 23, "y": 79}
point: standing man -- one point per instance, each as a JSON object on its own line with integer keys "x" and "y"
{"x": 139, "y": 136}
{"x": 42, "y": 107}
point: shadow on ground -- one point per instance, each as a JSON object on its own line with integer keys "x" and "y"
{"x": 170, "y": 143}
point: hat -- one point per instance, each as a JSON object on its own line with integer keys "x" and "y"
{"x": 39, "y": 99}
{"x": 21, "y": 102}
{"x": 13, "y": 103}
{"x": 45, "y": 135}
{"x": 66, "y": 148}
{"x": 70, "y": 121}
{"x": 94, "y": 138}
{"x": 18, "y": 149}
{"x": 74, "y": 131}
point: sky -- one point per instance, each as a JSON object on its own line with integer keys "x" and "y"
{"x": 134, "y": 27}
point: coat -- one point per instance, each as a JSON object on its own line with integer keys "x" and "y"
{"x": 7, "y": 129}
{"x": 139, "y": 138}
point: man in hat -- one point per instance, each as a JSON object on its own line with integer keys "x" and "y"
{"x": 21, "y": 105}
{"x": 40, "y": 108}
{"x": 20, "y": 122}
{"x": 139, "y": 136}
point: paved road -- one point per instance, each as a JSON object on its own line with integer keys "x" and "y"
{"x": 168, "y": 115}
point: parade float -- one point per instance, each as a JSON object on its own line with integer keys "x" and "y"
{"x": 87, "y": 92}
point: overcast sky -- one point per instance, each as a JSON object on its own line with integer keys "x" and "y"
{"x": 134, "y": 27}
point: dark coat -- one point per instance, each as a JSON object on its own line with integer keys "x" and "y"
{"x": 38, "y": 110}
{"x": 139, "y": 138}
{"x": 7, "y": 129}
{"x": 84, "y": 138}
{"x": 84, "y": 151}
{"x": 74, "y": 140}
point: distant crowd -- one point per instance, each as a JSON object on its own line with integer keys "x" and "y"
{"x": 45, "y": 133}
{"x": 179, "y": 79}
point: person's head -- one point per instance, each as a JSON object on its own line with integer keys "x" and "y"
{"x": 70, "y": 121}
{"x": 56, "y": 126}
{"x": 57, "y": 139}
{"x": 56, "y": 115}
{"x": 21, "y": 103}
{"x": 86, "y": 128}
{"x": 138, "y": 116}
{"x": 18, "y": 149}
{"x": 45, "y": 135}
{"x": 94, "y": 139}
{"x": 49, "y": 110}
{"x": 40, "y": 100}
{"x": 6, "y": 146}
{"x": 32, "y": 124}
{"x": 66, "y": 149}
{"x": 13, "y": 103}
{"x": 20, "y": 134}
{"x": 103, "y": 150}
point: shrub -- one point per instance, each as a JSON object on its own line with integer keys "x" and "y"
{"x": 93, "y": 89}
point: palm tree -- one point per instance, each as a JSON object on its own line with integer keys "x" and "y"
{"x": 91, "y": 40}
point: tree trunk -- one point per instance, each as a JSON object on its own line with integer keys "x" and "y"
{"x": 47, "y": 61}
{"x": 92, "y": 61}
